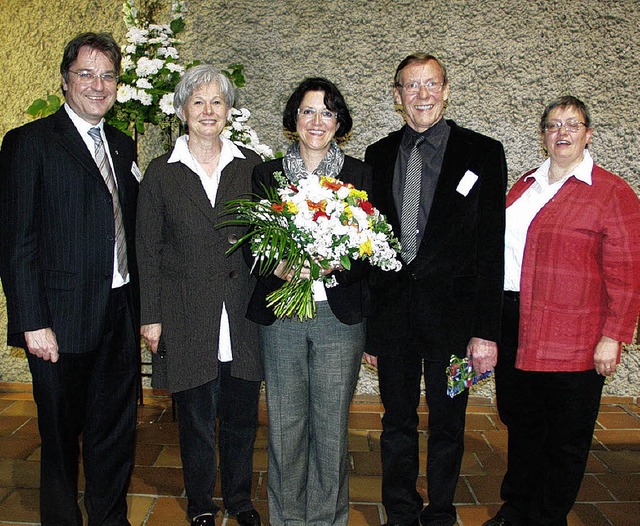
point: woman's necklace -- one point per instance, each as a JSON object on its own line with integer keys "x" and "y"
{"x": 209, "y": 166}
{"x": 204, "y": 161}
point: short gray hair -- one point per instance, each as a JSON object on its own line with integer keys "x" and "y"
{"x": 194, "y": 78}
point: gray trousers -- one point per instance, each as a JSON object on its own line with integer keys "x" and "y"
{"x": 311, "y": 371}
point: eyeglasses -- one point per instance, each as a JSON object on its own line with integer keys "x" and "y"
{"x": 570, "y": 126}
{"x": 310, "y": 113}
{"x": 414, "y": 86}
{"x": 86, "y": 77}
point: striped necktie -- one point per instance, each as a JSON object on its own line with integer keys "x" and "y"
{"x": 411, "y": 204}
{"x": 105, "y": 169}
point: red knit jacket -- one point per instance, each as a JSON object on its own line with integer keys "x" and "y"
{"x": 580, "y": 272}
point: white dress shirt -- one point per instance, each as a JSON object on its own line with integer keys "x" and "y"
{"x": 83, "y": 128}
{"x": 522, "y": 212}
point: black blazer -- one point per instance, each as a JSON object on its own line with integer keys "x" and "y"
{"x": 57, "y": 231}
{"x": 186, "y": 276}
{"x": 452, "y": 290}
{"x": 349, "y": 300}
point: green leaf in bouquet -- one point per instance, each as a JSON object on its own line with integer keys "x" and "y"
{"x": 271, "y": 239}
{"x": 316, "y": 268}
{"x": 345, "y": 262}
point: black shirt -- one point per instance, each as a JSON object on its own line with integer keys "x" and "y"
{"x": 432, "y": 150}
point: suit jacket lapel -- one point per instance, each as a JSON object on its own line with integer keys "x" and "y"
{"x": 120, "y": 163}
{"x": 454, "y": 165}
{"x": 230, "y": 186}
{"x": 115, "y": 145}
{"x": 388, "y": 172}
{"x": 71, "y": 141}
{"x": 189, "y": 183}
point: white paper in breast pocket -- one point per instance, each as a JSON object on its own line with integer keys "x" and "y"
{"x": 136, "y": 171}
{"x": 466, "y": 183}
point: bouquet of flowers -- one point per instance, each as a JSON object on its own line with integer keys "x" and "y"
{"x": 319, "y": 223}
{"x": 461, "y": 375}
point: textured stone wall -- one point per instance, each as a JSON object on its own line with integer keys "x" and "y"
{"x": 506, "y": 59}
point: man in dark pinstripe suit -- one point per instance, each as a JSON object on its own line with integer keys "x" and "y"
{"x": 67, "y": 263}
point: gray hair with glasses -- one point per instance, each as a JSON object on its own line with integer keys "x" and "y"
{"x": 194, "y": 78}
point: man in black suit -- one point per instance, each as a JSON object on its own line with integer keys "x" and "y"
{"x": 67, "y": 263}
{"x": 442, "y": 187}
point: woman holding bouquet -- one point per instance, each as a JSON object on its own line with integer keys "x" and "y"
{"x": 194, "y": 298}
{"x": 311, "y": 366}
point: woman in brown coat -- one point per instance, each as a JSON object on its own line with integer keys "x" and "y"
{"x": 194, "y": 297}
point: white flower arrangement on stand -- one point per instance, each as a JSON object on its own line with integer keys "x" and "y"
{"x": 151, "y": 69}
{"x": 242, "y": 134}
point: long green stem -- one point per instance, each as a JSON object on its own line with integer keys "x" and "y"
{"x": 294, "y": 298}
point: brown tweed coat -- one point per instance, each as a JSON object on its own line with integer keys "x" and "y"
{"x": 185, "y": 275}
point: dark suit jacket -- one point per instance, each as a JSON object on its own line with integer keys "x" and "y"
{"x": 349, "y": 300}
{"x": 57, "y": 230}
{"x": 452, "y": 291}
{"x": 185, "y": 275}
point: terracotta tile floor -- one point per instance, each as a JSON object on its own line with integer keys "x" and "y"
{"x": 610, "y": 493}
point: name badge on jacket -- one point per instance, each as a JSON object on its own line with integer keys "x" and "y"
{"x": 466, "y": 183}
{"x": 136, "y": 171}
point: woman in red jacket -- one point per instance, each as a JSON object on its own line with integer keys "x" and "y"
{"x": 572, "y": 295}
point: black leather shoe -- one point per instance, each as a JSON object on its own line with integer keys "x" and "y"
{"x": 498, "y": 521}
{"x": 204, "y": 520}
{"x": 248, "y": 518}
